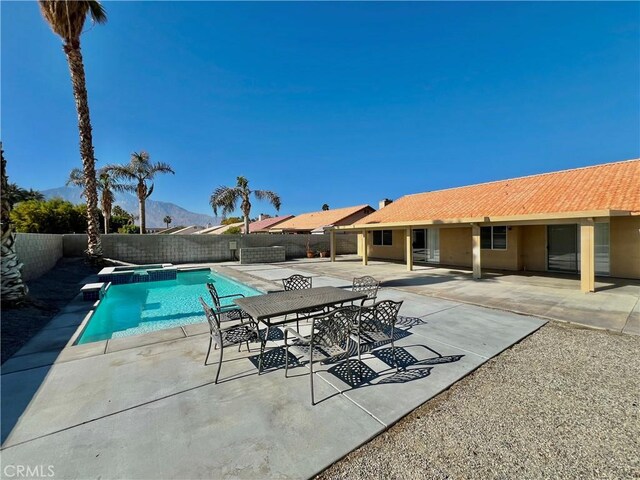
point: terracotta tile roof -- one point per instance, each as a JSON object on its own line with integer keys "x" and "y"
{"x": 323, "y": 218}
{"x": 267, "y": 223}
{"x": 611, "y": 186}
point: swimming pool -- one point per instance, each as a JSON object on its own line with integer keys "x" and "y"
{"x": 137, "y": 308}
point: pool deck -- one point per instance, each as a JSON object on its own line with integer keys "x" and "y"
{"x": 146, "y": 407}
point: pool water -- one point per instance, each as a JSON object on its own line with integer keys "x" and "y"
{"x": 137, "y": 308}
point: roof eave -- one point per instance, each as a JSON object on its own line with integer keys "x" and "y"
{"x": 487, "y": 219}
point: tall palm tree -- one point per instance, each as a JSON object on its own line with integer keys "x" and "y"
{"x": 13, "y": 288}
{"x": 140, "y": 170}
{"x": 226, "y": 198}
{"x": 107, "y": 185}
{"x": 67, "y": 18}
{"x": 167, "y": 219}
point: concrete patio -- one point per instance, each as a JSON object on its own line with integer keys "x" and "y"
{"x": 615, "y": 305}
{"x": 146, "y": 407}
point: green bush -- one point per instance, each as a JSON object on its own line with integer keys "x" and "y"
{"x": 129, "y": 229}
{"x": 51, "y": 216}
{"x": 233, "y": 231}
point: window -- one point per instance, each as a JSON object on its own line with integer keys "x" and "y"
{"x": 383, "y": 238}
{"x": 493, "y": 238}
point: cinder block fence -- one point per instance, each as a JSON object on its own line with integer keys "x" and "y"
{"x": 40, "y": 252}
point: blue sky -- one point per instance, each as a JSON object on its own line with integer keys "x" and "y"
{"x": 338, "y": 103}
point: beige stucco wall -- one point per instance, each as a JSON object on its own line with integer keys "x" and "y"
{"x": 455, "y": 246}
{"x": 625, "y": 247}
{"x": 533, "y": 248}
{"x": 508, "y": 259}
{"x": 395, "y": 251}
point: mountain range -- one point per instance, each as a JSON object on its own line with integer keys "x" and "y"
{"x": 155, "y": 213}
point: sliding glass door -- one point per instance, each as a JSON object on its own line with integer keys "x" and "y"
{"x": 562, "y": 248}
{"x": 426, "y": 245}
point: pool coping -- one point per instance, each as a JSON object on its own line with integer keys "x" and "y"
{"x": 83, "y": 311}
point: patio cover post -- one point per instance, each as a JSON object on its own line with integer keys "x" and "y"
{"x": 587, "y": 255}
{"x": 365, "y": 253}
{"x": 475, "y": 241}
{"x": 408, "y": 248}
{"x": 332, "y": 244}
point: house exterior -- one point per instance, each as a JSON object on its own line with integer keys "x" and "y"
{"x": 584, "y": 220}
{"x": 264, "y": 225}
{"x": 318, "y": 222}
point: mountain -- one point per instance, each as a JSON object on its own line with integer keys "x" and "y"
{"x": 156, "y": 210}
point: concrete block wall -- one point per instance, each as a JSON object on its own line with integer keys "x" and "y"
{"x": 39, "y": 252}
{"x": 262, "y": 255}
{"x": 202, "y": 248}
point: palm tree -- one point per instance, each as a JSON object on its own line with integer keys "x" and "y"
{"x": 107, "y": 185}
{"x": 140, "y": 170}
{"x": 167, "y": 219}
{"x": 16, "y": 194}
{"x": 67, "y": 18}
{"x": 226, "y": 199}
{"x": 13, "y": 288}
{"x": 325, "y": 207}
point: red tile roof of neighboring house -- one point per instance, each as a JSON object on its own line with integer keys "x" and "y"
{"x": 266, "y": 224}
{"x": 324, "y": 218}
{"x": 611, "y": 186}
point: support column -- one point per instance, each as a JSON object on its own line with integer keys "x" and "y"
{"x": 408, "y": 246}
{"x": 332, "y": 244}
{"x": 365, "y": 245}
{"x": 475, "y": 242}
{"x": 587, "y": 256}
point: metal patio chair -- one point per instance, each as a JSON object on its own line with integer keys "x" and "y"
{"x": 224, "y": 337}
{"x": 227, "y": 313}
{"x": 329, "y": 339}
{"x": 376, "y": 324}
{"x": 368, "y": 285}
{"x": 298, "y": 282}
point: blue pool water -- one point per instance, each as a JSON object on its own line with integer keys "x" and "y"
{"x": 136, "y": 308}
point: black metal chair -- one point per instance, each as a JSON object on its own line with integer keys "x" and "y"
{"x": 227, "y": 313}
{"x": 376, "y": 325}
{"x": 328, "y": 340}
{"x": 224, "y": 337}
{"x": 298, "y": 282}
{"x": 368, "y": 285}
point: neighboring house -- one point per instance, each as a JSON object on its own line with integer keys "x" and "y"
{"x": 318, "y": 222}
{"x": 206, "y": 231}
{"x": 584, "y": 220}
{"x": 263, "y": 225}
{"x": 224, "y": 228}
{"x": 187, "y": 230}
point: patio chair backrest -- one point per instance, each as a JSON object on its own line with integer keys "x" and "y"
{"x": 366, "y": 284}
{"x": 296, "y": 282}
{"x": 214, "y": 295}
{"x": 386, "y": 312}
{"x": 214, "y": 322}
{"x": 333, "y": 328}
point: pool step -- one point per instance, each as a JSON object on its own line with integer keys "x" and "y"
{"x": 94, "y": 291}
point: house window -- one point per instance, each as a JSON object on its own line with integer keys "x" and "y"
{"x": 383, "y": 238}
{"x": 493, "y": 238}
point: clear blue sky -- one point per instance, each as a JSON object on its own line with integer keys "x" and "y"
{"x": 338, "y": 103}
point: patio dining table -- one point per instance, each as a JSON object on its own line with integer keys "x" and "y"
{"x": 272, "y": 309}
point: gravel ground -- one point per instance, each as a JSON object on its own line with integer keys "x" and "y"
{"x": 562, "y": 404}
{"x": 47, "y": 295}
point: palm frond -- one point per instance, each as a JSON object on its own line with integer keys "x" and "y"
{"x": 268, "y": 195}
{"x": 97, "y": 12}
{"x": 224, "y": 198}
{"x": 76, "y": 178}
{"x": 120, "y": 172}
{"x": 159, "y": 167}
